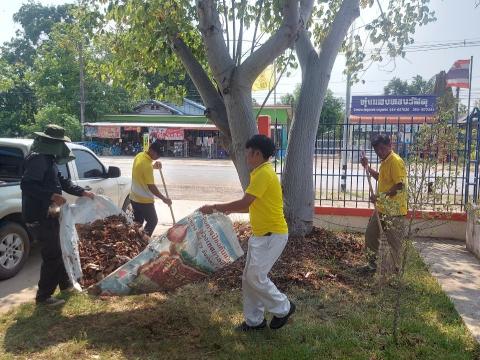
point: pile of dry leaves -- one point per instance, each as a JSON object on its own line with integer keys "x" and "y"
{"x": 107, "y": 244}
{"x": 320, "y": 257}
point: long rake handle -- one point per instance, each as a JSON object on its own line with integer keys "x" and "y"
{"x": 369, "y": 178}
{"x": 166, "y": 193}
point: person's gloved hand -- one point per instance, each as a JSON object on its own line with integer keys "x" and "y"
{"x": 58, "y": 199}
{"x": 88, "y": 194}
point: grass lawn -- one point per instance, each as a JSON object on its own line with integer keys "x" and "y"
{"x": 338, "y": 321}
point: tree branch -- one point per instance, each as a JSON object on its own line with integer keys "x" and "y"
{"x": 219, "y": 59}
{"x": 234, "y": 30}
{"x": 225, "y": 14}
{"x": 306, "y": 8}
{"x": 381, "y": 9}
{"x": 348, "y": 12}
{"x": 304, "y": 48}
{"x": 240, "y": 34}
{"x": 303, "y": 45}
{"x": 275, "y": 46}
{"x": 257, "y": 22}
{"x": 216, "y": 110}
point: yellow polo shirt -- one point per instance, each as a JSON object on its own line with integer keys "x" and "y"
{"x": 392, "y": 171}
{"x": 142, "y": 175}
{"x": 266, "y": 211}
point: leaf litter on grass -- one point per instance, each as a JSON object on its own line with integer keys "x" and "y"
{"x": 312, "y": 261}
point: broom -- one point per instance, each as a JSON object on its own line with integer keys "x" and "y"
{"x": 385, "y": 260}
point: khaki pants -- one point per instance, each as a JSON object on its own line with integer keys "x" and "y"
{"x": 394, "y": 228}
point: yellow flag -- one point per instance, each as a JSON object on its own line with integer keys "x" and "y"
{"x": 265, "y": 80}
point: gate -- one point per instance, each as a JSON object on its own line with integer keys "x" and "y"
{"x": 472, "y": 161}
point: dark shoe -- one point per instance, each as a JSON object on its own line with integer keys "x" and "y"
{"x": 245, "y": 327}
{"x": 278, "y": 322}
{"x": 70, "y": 291}
{"x": 51, "y": 301}
{"x": 368, "y": 269}
{"x": 67, "y": 290}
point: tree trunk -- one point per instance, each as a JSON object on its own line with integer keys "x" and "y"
{"x": 298, "y": 184}
{"x": 238, "y": 103}
{"x": 298, "y": 187}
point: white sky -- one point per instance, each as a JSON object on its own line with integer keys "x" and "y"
{"x": 456, "y": 20}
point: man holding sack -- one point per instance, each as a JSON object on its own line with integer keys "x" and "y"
{"x": 42, "y": 186}
{"x": 263, "y": 200}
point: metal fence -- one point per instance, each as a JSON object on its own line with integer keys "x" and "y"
{"x": 340, "y": 180}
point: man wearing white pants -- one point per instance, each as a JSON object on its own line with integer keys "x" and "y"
{"x": 259, "y": 292}
{"x": 263, "y": 201}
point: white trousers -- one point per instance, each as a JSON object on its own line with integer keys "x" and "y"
{"x": 259, "y": 292}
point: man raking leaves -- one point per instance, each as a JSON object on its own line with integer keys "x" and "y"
{"x": 144, "y": 190}
{"x": 263, "y": 200}
{"x": 390, "y": 202}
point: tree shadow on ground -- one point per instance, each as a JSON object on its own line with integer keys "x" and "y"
{"x": 185, "y": 327}
{"x": 139, "y": 332}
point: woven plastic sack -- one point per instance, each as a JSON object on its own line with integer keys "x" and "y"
{"x": 190, "y": 250}
{"x": 84, "y": 211}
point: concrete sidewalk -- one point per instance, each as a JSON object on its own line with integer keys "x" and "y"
{"x": 22, "y": 288}
{"x": 458, "y": 273}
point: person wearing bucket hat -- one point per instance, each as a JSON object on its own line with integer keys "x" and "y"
{"x": 42, "y": 186}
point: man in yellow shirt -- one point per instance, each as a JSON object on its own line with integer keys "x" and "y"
{"x": 263, "y": 200}
{"x": 144, "y": 190}
{"x": 391, "y": 200}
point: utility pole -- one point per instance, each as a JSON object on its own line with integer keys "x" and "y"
{"x": 82, "y": 74}
{"x": 274, "y": 83}
{"x": 470, "y": 70}
{"x": 82, "y": 85}
{"x": 457, "y": 103}
{"x": 345, "y": 137}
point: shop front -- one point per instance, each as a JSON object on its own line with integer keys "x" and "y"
{"x": 177, "y": 140}
{"x": 180, "y": 135}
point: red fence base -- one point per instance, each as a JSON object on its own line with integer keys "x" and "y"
{"x": 322, "y": 210}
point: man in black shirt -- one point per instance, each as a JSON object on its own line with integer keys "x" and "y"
{"x": 42, "y": 186}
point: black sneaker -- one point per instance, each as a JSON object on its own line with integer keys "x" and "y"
{"x": 51, "y": 301}
{"x": 278, "y": 322}
{"x": 368, "y": 269}
{"x": 245, "y": 327}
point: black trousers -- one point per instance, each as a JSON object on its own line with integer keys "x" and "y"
{"x": 52, "y": 272}
{"x": 145, "y": 213}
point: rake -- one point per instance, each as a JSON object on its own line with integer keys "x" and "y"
{"x": 385, "y": 260}
{"x": 166, "y": 193}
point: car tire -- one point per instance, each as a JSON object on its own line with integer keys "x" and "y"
{"x": 14, "y": 249}
{"x": 127, "y": 208}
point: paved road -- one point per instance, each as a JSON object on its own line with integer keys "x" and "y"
{"x": 207, "y": 180}
{"x": 217, "y": 179}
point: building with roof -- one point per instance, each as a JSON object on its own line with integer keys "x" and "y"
{"x": 183, "y": 130}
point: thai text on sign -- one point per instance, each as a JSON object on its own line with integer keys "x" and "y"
{"x": 167, "y": 133}
{"x": 108, "y": 132}
{"x": 422, "y": 105}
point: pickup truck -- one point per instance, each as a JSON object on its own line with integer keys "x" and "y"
{"x": 86, "y": 171}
